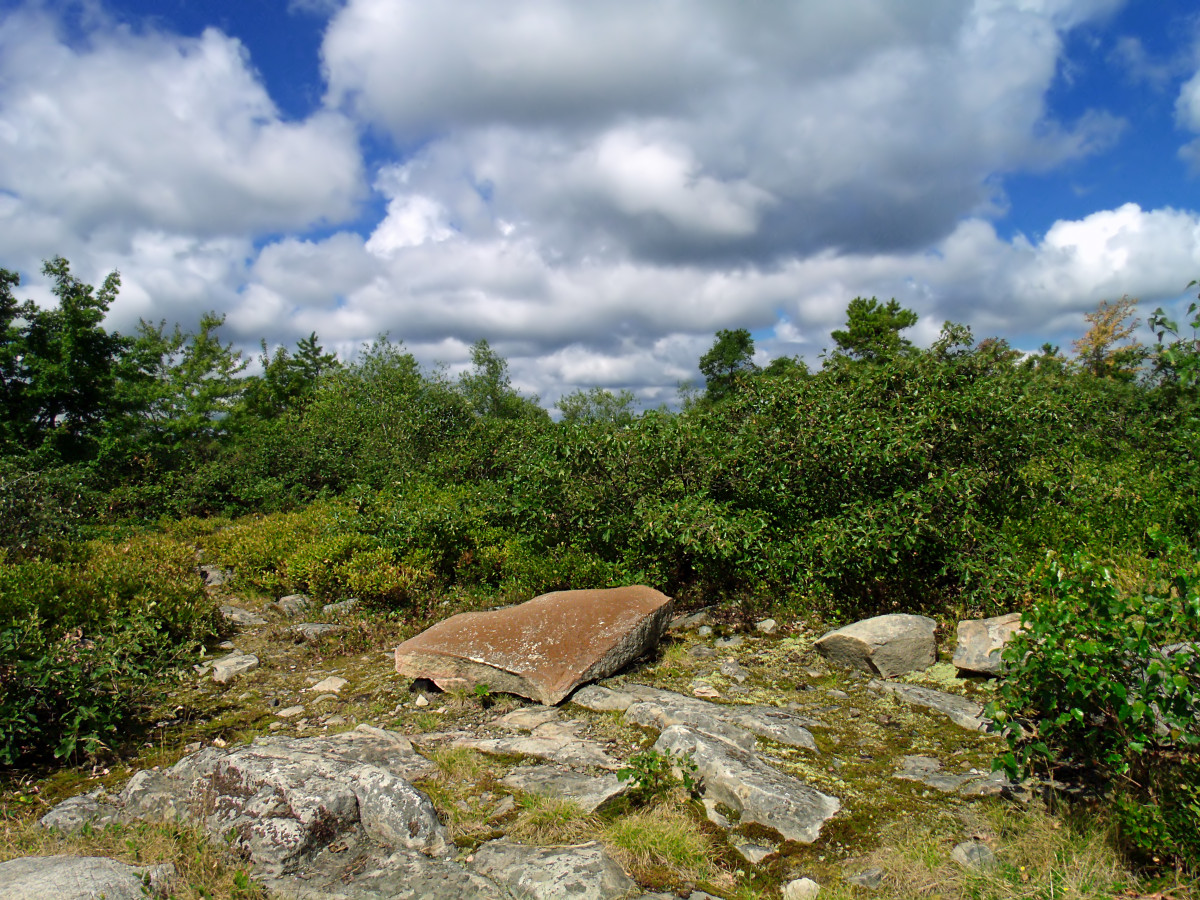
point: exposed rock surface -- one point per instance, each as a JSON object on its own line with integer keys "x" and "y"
{"x": 292, "y": 605}
{"x": 762, "y": 795}
{"x": 309, "y": 631}
{"x": 243, "y": 618}
{"x": 981, "y": 641}
{"x": 585, "y": 871}
{"x": 215, "y": 576}
{"x": 230, "y": 667}
{"x": 590, "y": 792}
{"x": 884, "y": 645}
{"x": 542, "y": 649}
{"x": 79, "y": 878}
{"x": 961, "y": 711}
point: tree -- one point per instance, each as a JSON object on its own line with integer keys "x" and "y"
{"x": 787, "y": 367}
{"x": 489, "y": 389}
{"x": 730, "y": 357}
{"x": 69, "y": 363}
{"x": 1106, "y": 350}
{"x": 873, "y": 330}
{"x": 11, "y": 383}
{"x": 288, "y": 379}
{"x": 596, "y": 406}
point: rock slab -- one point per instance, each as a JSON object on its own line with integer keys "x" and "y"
{"x": 581, "y": 872}
{"x": 884, "y": 645}
{"x": 542, "y": 649}
{"x": 981, "y": 641}
{"x": 962, "y": 712}
{"x": 80, "y": 878}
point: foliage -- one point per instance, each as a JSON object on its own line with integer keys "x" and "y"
{"x": 597, "y": 406}
{"x": 873, "y": 329}
{"x": 1106, "y": 350}
{"x": 1108, "y": 681}
{"x": 729, "y": 358}
{"x": 654, "y": 775}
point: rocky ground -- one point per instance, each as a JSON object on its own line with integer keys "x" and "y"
{"x": 808, "y": 771}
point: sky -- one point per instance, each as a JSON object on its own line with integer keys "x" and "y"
{"x": 594, "y": 187}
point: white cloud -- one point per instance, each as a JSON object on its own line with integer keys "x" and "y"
{"x": 126, "y": 133}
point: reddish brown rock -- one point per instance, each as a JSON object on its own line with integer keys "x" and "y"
{"x": 542, "y": 649}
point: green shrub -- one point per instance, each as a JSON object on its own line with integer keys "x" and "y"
{"x": 1108, "y": 682}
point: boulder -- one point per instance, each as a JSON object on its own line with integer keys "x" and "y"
{"x": 281, "y": 800}
{"x": 235, "y": 615}
{"x": 759, "y": 793}
{"x": 801, "y": 889}
{"x": 542, "y": 649}
{"x": 981, "y": 641}
{"x": 80, "y": 878}
{"x": 292, "y": 605}
{"x": 885, "y": 645}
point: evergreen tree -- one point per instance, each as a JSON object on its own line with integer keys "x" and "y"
{"x": 873, "y": 329}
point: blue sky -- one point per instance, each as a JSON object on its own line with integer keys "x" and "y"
{"x": 597, "y": 187}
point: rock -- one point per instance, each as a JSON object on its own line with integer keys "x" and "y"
{"x": 556, "y": 743}
{"x": 243, "y": 618}
{"x": 766, "y": 626}
{"x": 602, "y": 699}
{"x": 528, "y": 718}
{"x": 97, "y": 809}
{"x": 703, "y": 689}
{"x": 310, "y": 631}
{"x": 729, "y": 643}
{"x": 704, "y": 631}
{"x": 421, "y": 700}
{"x": 229, "y": 667}
{"x": 581, "y": 872}
{"x": 981, "y": 641}
{"x": 341, "y": 608}
{"x": 590, "y": 792}
{"x": 542, "y": 649}
{"x": 759, "y": 793}
{"x": 731, "y": 668}
{"x": 699, "y": 652}
{"x": 354, "y": 870}
{"x": 290, "y": 712}
{"x": 332, "y": 684}
{"x": 928, "y": 771}
{"x": 871, "y": 879}
{"x": 973, "y": 855}
{"x": 284, "y": 799}
{"x": 80, "y": 878}
{"x": 752, "y": 852}
{"x": 215, "y": 576}
{"x": 885, "y": 645}
{"x": 292, "y": 605}
{"x": 801, "y": 889}
{"x": 961, "y": 711}
{"x": 696, "y": 620}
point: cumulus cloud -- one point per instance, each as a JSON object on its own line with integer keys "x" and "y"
{"x": 709, "y": 132}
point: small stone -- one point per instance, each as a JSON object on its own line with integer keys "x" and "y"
{"x": 331, "y": 684}
{"x": 870, "y": 879}
{"x": 730, "y": 668}
{"x": 801, "y": 889}
{"x": 700, "y": 652}
{"x": 220, "y": 743}
{"x": 838, "y": 695}
{"x": 290, "y": 712}
{"x": 292, "y": 605}
{"x": 766, "y": 626}
{"x": 705, "y": 690}
{"x": 226, "y": 645}
{"x": 704, "y": 630}
{"x": 325, "y": 698}
{"x": 310, "y": 631}
{"x": 335, "y": 720}
{"x": 229, "y": 667}
{"x": 506, "y": 805}
{"x": 729, "y": 643}
{"x": 275, "y": 726}
{"x": 422, "y": 701}
{"x": 750, "y": 851}
{"x": 235, "y": 615}
{"x": 973, "y": 855}
{"x": 192, "y": 747}
{"x": 342, "y": 608}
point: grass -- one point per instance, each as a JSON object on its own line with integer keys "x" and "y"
{"x": 551, "y": 820}
{"x": 661, "y": 845}
{"x": 203, "y": 871}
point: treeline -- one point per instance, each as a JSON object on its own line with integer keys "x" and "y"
{"x": 928, "y": 478}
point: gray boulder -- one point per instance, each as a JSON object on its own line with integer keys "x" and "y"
{"x": 292, "y": 605}
{"x": 981, "y": 641}
{"x": 80, "y": 878}
{"x": 761, "y": 794}
{"x": 885, "y": 645}
{"x": 581, "y": 872}
{"x": 243, "y": 618}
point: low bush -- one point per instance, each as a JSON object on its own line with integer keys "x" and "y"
{"x": 1107, "y": 681}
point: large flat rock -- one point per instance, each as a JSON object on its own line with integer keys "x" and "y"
{"x": 542, "y": 649}
{"x": 581, "y": 872}
{"x": 962, "y": 712}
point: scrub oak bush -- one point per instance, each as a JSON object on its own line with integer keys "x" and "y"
{"x": 83, "y": 635}
{"x": 1107, "y": 681}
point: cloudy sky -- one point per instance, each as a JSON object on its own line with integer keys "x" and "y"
{"x": 597, "y": 186}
